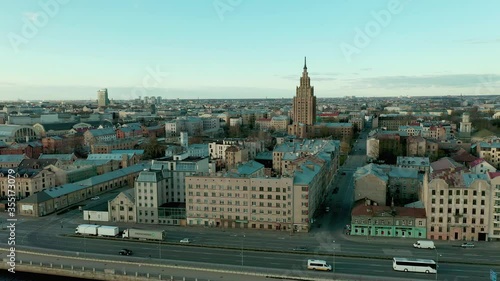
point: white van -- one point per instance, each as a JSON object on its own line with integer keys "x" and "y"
{"x": 424, "y": 244}
{"x": 318, "y": 265}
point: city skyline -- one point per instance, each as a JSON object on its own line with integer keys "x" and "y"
{"x": 241, "y": 49}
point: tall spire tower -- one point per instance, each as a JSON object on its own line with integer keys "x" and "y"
{"x": 304, "y": 102}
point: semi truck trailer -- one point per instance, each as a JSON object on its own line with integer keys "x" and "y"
{"x": 87, "y": 229}
{"x": 110, "y": 231}
{"x": 143, "y": 234}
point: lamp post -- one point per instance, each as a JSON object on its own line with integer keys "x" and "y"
{"x": 333, "y": 256}
{"x": 159, "y": 248}
{"x": 242, "y": 249}
{"x": 437, "y": 262}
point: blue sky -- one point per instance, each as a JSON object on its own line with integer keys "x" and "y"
{"x": 243, "y": 48}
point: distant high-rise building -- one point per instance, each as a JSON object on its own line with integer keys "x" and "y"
{"x": 102, "y": 98}
{"x": 304, "y": 102}
{"x": 304, "y": 108}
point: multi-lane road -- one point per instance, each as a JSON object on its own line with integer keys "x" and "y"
{"x": 326, "y": 241}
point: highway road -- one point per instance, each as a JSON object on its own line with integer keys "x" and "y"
{"x": 47, "y": 232}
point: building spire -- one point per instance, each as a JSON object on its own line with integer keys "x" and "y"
{"x": 305, "y": 63}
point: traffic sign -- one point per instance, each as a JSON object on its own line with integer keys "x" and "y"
{"x": 493, "y": 275}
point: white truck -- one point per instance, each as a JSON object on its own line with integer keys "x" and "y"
{"x": 424, "y": 244}
{"x": 143, "y": 234}
{"x": 110, "y": 231}
{"x": 87, "y": 229}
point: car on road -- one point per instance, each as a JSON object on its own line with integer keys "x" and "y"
{"x": 125, "y": 252}
{"x": 300, "y": 249}
{"x": 186, "y": 240}
{"x": 95, "y": 198}
{"x": 335, "y": 190}
{"x": 467, "y": 245}
{"x": 327, "y": 209}
{"x": 343, "y": 173}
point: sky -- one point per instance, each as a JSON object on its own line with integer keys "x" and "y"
{"x": 69, "y": 49}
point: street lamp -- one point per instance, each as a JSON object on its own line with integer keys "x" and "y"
{"x": 437, "y": 262}
{"x": 333, "y": 256}
{"x": 242, "y": 249}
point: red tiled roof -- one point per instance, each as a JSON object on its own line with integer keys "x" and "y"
{"x": 362, "y": 210}
{"x": 476, "y": 162}
{"x": 493, "y": 175}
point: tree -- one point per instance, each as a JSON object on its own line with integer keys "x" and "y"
{"x": 153, "y": 149}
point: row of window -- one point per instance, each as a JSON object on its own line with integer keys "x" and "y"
{"x": 458, "y": 191}
{"x": 457, "y": 211}
{"x": 457, "y": 220}
{"x": 243, "y": 188}
{"x": 388, "y": 222}
{"x": 122, "y": 208}
{"x": 457, "y": 201}
{"x": 146, "y": 213}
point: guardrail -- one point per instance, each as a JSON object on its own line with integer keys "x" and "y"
{"x": 110, "y": 270}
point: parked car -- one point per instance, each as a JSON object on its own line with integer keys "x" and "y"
{"x": 95, "y": 198}
{"x": 467, "y": 245}
{"x": 125, "y": 252}
{"x": 302, "y": 249}
{"x": 343, "y": 173}
{"x": 185, "y": 240}
{"x": 327, "y": 209}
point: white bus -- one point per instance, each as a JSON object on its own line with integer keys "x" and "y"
{"x": 318, "y": 265}
{"x": 414, "y": 265}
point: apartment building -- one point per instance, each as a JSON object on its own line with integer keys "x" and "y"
{"x": 489, "y": 152}
{"x": 235, "y": 155}
{"x": 263, "y": 124}
{"x": 11, "y": 161}
{"x": 62, "y": 144}
{"x": 415, "y": 146}
{"x": 28, "y": 181}
{"x": 494, "y": 227}
{"x": 458, "y": 206}
{"x": 421, "y": 164}
{"x": 238, "y": 201}
{"x": 217, "y": 149}
{"x": 99, "y": 135}
{"x": 192, "y": 125}
{"x": 130, "y": 130}
{"x": 370, "y": 182}
{"x": 122, "y": 207}
{"x": 291, "y": 150}
{"x": 392, "y": 122}
{"x": 412, "y": 131}
{"x": 245, "y": 198}
{"x": 176, "y": 169}
{"x": 279, "y": 123}
{"x": 31, "y": 149}
{"x": 150, "y": 194}
{"x": 105, "y": 147}
{"x": 388, "y": 221}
